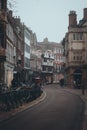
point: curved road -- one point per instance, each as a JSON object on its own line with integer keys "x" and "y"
{"x": 60, "y": 110}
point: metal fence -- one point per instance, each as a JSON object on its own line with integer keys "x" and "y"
{"x": 11, "y": 99}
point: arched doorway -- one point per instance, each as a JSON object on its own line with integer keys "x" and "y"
{"x": 77, "y": 77}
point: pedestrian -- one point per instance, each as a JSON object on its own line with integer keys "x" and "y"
{"x": 62, "y": 82}
{"x": 74, "y": 84}
{"x": 61, "y": 79}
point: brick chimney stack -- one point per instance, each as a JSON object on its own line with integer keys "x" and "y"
{"x": 85, "y": 14}
{"x": 72, "y": 19}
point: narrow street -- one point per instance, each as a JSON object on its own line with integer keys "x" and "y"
{"x": 60, "y": 110}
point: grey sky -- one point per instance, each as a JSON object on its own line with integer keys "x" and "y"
{"x": 49, "y": 18}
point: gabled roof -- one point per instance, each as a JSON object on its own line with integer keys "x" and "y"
{"x": 83, "y": 22}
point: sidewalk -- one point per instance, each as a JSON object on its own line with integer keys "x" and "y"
{"x": 84, "y": 98}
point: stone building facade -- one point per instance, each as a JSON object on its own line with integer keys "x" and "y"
{"x": 52, "y": 60}
{"x": 75, "y": 49}
{"x": 3, "y": 22}
{"x": 15, "y": 40}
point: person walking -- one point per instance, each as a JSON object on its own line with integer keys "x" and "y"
{"x": 61, "y": 77}
{"x": 62, "y": 82}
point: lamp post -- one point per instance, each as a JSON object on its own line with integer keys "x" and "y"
{"x": 19, "y": 70}
{"x": 17, "y": 74}
{"x": 56, "y": 71}
{"x": 84, "y": 78}
{"x": 14, "y": 81}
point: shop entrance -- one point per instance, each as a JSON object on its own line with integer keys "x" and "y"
{"x": 77, "y": 77}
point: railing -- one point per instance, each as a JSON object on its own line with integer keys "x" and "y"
{"x": 12, "y": 99}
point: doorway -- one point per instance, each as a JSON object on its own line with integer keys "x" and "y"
{"x": 77, "y": 77}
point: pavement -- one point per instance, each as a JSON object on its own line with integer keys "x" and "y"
{"x": 84, "y": 98}
{"x": 13, "y": 112}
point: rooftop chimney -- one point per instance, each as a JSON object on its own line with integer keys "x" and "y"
{"x": 85, "y": 14}
{"x": 72, "y": 19}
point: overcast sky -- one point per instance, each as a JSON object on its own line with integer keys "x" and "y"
{"x": 49, "y": 18}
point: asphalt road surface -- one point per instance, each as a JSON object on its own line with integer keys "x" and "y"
{"x": 60, "y": 110}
